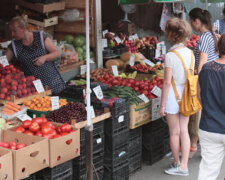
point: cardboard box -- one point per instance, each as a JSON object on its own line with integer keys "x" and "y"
{"x": 45, "y": 23}
{"x": 60, "y": 151}
{"x": 32, "y": 158}
{"x": 144, "y": 113}
{"x": 6, "y": 164}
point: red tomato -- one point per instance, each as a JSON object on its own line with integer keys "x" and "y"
{"x": 45, "y": 129}
{"x": 34, "y": 127}
{"x": 48, "y": 124}
{"x": 44, "y": 120}
{"x": 49, "y": 136}
{"x": 56, "y": 136}
{"x": 58, "y": 130}
{"x": 38, "y": 120}
{"x": 4, "y": 144}
{"x": 66, "y": 127}
{"x": 28, "y": 132}
{"x": 13, "y": 143}
{"x": 26, "y": 124}
{"x": 19, "y": 129}
{"x": 53, "y": 131}
{"x": 20, "y": 146}
{"x": 13, "y": 147}
{"x": 39, "y": 133}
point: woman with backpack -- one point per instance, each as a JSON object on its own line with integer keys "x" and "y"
{"x": 205, "y": 51}
{"x": 176, "y": 31}
{"x": 212, "y": 123}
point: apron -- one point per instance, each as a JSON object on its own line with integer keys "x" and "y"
{"x": 47, "y": 73}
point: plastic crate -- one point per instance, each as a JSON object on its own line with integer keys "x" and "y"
{"x": 152, "y": 154}
{"x": 122, "y": 173}
{"x": 120, "y": 137}
{"x": 135, "y": 145}
{"x": 154, "y": 126}
{"x": 167, "y": 145}
{"x": 135, "y": 163}
{"x": 31, "y": 177}
{"x": 117, "y": 122}
{"x": 166, "y": 131}
{"x": 153, "y": 138}
{"x": 120, "y": 106}
{"x": 97, "y": 175}
{"x": 61, "y": 172}
{"x": 116, "y": 158}
{"x": 137, "y": 132}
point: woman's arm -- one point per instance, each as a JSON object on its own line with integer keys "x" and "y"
{"x": 9, "y": 55}
{"x": 165, "y": 90}
{"x": 202, "y": 60}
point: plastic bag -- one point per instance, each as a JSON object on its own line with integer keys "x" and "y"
{"x": 23, "y": 110}
{"x": 71, "y": 15}
{"x": 69, "y": 55}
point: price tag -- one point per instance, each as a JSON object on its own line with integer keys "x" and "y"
{"x": 163, "y": 49}
{"x": 143, "y": 98}
{"x": 5, "y": 44}
{"x": 104, "y": 43}
{"x": 55, "y": 102}
{"x": 92, "y": 111}
{"x": 135, "y": 36}
{"x": 132, "y": 60}
{"x": 148, "y": 62}
{"x": 83, "y": 69}
{"x": 104, "y": 32}
{"x": 159, "y": 45}
{"x": 24, "y": 117}
{"x": 99, "y": 140}
{"x": 157, "y": 91}
{"x": 98, "y": 92}
{"x": 115, "y": 70}
{"x": 91, "y": 61}
{"x": 121, "y": 118}
{"x": 39, "y": 86}
{"x": 157, "y": 53}
{"x": 117, "y": 39}
{"x": 130, "y": 38}
{"x": 4, "y": 61}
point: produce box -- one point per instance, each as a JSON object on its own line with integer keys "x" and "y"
{"x": 30, "y": 159}
{"x": 144, "y": 113}
{"x": 45, "y": 23}
{"x": 6, "y": 171}
{"x": 64, "y": 148}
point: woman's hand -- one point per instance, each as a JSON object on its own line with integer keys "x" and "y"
{"x": 39, "y": 61}
{"x": 162, "y": 111}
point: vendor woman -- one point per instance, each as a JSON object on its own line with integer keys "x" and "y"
{"x": 35, "y": 53}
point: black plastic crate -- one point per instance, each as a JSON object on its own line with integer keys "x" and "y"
{"x": 167, "y": 145}
{"x": 120, "y": 137}
{"x": 120, "y": 106}
{"x": 137, "y": 132}
{"x": 154, "y": 126}
{"x": 153, "y": 138}
{"x": 117, "y": 122}
{"x": 135, "y": 145}
{"x": 61, "y": 172}
{"x": 166, "y": 131}
{"x": 31, "y": 177}
{"x": 122, "y": 173}
{"x": 97, "y": 175}
{"x": 152, "y": 154}
{"x": 116, "y": 158}
{"x": 135, "y": 163}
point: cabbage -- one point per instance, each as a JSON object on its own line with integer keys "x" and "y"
{"x": 69, "y": 39}
{"x": 79, "y": 50}
{"x": 79, "y": 41}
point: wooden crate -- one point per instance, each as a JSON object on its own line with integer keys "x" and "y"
{"x": 70, "y": 4}
{"x": 45, "y": 23}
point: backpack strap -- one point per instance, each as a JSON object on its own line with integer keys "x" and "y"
{"x": 175, "y": 90}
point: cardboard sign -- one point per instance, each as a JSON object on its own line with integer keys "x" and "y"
{"x": 117, "y": 39}
{"x": 92, "y": 111}
{"x": 135, "y": 36}
{"x": 98, "y": 92}
{"x": 155, "y": 108}
{"x": 115, "y": 70}
{"x": 132, "y": 58}
{"x": 24, "y": 117}
{"x": 143, "y": 98}
{"x": 39, "y": 86}
{"x": 55, "y": 102}
{"x": 104, "y": 43}
{"x": 104, "y": 32}
{"x": 157, "y": 53}
{"x": 4, "y": 61}
{"x": 83, "y": 69}
{"x": 156, "y": 91}
{"x": 148, "y": 62}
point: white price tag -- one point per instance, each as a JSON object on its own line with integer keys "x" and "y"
{"x": 157, "y": 53}
{"x": 157, "y": 91}
{"x": 55, "y": 102}
{"x": 4, "y": 61}
{"x": 24, "y": 117}
{"x": 98, "y": 92}
{"x": 155, "y": 109}
{"x": 104, "y": 43}
{"x": 91, "y": 61}
{"x": 83, "y": 69}
{"x": 143, "y": 98}
{"x": 148, "y": 62}
{"x": 5, "y": 44}
{"x": 121, "y": 118}
{"x": 104, "y": 32}
{"x": 115, "y": 70}
{"x": 163, "y": 49}
{"x": 99, "y": 140}
{"x": 117, "y": 39}
{"x": 135, "y": 36}
{"x": 92, "y": 111}
{"x": 159, "y": 45}
{"x": 130, "y": 38}
{"x": 132, "y": 58}
{"x": 39, "y": 86}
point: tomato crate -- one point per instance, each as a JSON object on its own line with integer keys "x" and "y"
{"x": 120, "y": 106}
{"x": 135, "y": 145}
{"x": 63, "y": 171}
{"x": 152, "y": 154}
{"x": 121, "y": 173}
{"x": 120, "y": 137}
{"x": 117, "y": 122}
{"x": 135, "y": 163}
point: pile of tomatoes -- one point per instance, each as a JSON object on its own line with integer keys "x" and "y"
{"x": 42, "y": 127}
{"x": 12, "y": 145}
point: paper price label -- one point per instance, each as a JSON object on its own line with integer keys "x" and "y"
{"x": 148, "y": 62}
{"x": 104, "y": 43}
{"x": 98, "y": 92}
{"x": 115, "y": 70}
{"x": 159, "y": 45}
{"x": 163, "y": 49}
{"x": 121, "y": 119}
{"x": 157, "y": 91}
{"x": 132, "y": 60}
{"x": 24, "y": 117}
{"x": 131, "y": 38}
{"x": 99, "y": 140}
{"x": 39, "y": 86}
{"x": 83, "y": 69}
{"x": 55, "y": 102}
{"x": 117, "y": 39}
{"x": 104, "y": 32}
{"x": 143, "y": 98}
{"x": 135, "y": 36}
{"x": 92, "y": 111}
{"x": 4, "y": 61}
{"x": 157, "y": 53}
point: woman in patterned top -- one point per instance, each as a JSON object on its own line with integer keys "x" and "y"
{"x": 219, "y": 25}
{"x": 35, "y": 54}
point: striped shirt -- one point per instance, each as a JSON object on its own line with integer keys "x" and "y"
{"x": 220, "y": 25}
{"x": 205, "y": 44}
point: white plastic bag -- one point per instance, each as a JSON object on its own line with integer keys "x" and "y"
{"x": 71, "y": 15}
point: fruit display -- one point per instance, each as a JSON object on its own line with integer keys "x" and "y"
{"x": 43, "y": 103}
{"x": 71, "y": 111}
{"x": 10, "y": 108}
{"x": 143, "y": 68}
{"x": 42, "y": 127}
{"x": 69, "y": 56}
{"x": 13, "y": 145}
{"x": 148, "y": 41}
{"x": 97, "y": 73}
{"x": 193, "y": 41}
{"x": 129, "y": 76}
{"x": 124, "y": 92}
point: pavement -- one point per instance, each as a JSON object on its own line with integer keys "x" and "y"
{"x": 156, "y": 171}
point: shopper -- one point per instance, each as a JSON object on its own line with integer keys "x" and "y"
{"x": 212, "y": 124}
{"x": 219, "y": 25}
{"x": 176, "y": 31}
{"x": 35, "y": 53}
{"x": 205, "y": 51}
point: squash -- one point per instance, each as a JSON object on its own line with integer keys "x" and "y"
{"x": 126, "y": 56}
{"x": 116, "y": 62}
